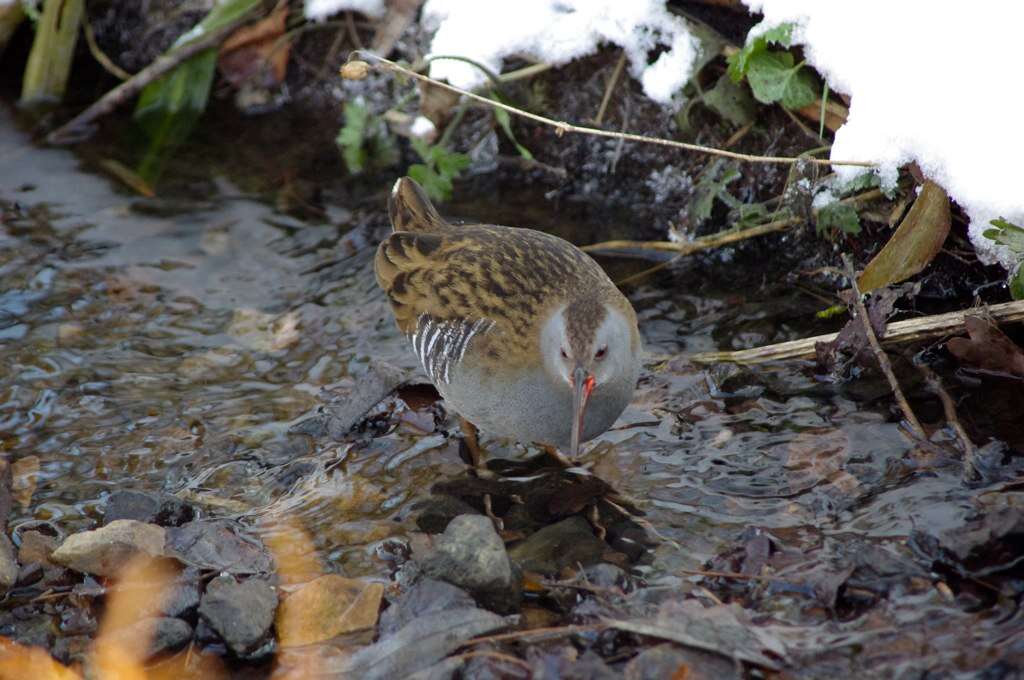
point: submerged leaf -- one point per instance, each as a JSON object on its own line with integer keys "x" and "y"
{"x": 987, "y": 348}
{"x": 917, "y": 241}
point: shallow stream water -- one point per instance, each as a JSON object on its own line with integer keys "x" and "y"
{"x": 172, "y": 343}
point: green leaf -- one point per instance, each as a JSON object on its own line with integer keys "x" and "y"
{"x": 1016, "y": 283}
{"x": 439, "y": 167}
{"x": 837, "y": 217}
{"x": 710, "y": 187}
{"x": 352, "y": 136}
{"x": 739, "y": 62}
{"x": 773, "y": 77}
{"x": 169, "y": 107}
{"x": 1006, "y": 234}
{"x": 730, "y": 101}
{"x": 501, "y": 115}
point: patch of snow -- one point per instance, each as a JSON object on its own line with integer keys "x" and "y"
{"x": 928, "y": 84}
{"x": 423, "y": 128}
{"x": 558, "y": 31}
{"x": 321, "y": 9}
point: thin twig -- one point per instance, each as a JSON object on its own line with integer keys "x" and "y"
{"x": 612, "y": 82}
{"x": 101, "y": 58}
{"x": 880, "y": 355}
{"x": 534, "y": 632}
{"x": 949, "y": 408}
{"x": 507, "y": 658}
{"x": 562, "y": 127}
{"x": 69, "y": 132}
{"x": 727, "y": 574}
{"x": 909, "y": 330}
{"x": 721, "y": 238}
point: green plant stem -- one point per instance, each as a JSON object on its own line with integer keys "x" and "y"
{"x": 49, "y": 62}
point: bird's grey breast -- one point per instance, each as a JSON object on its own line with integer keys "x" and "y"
{"x": 441, "y": 344}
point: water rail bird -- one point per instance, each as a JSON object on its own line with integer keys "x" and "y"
{"x": 522, "y": 333}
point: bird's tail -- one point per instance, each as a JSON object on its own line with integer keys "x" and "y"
{"x": 411, "y": 210}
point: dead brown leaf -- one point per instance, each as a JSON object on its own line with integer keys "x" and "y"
{"x": 326, "y": 607}
{"x": 257, "y": 53}
{"x": 915, "y": 243}
{"x": 24, "y": 475}
{"x": 987, "y": 348}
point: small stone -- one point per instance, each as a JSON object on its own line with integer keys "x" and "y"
{"x": 471, "y": 555}
{"x": 106, "y": 550}
{"x": 8, "y": 564}
{"x": 218, "y": 545}
{"x": 144, "y": 506}
{"x": 182, "y": 597}
{"x": 241, "y": 613}
{"x": 326, "y": 607}
{"x": 436, "y": 512}
{"x": 165, "y": 634}
{"x": 36, "y": 548}
{"x": 560, "y": 545}
{"x": 670, "y": 661}
{"x": 427, "y": 597}
{"x": 604, "y": 575}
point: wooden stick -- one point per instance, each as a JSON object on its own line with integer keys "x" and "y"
{"x": 71, "y": 131}
{"x": 896, "y": 332}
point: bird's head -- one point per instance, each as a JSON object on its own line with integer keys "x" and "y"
{"x": 587, "y": 343}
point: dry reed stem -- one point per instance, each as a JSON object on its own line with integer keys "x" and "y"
{"x": 896, "y": 332}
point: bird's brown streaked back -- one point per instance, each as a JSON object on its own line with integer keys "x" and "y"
{"x": 509, "y": 276}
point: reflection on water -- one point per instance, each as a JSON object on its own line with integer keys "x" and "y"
{"x": 171, "y": 344}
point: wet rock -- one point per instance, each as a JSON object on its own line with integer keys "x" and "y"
{"x": 428, "y": 597}
{"x": 346, "y": 403}
{"x": 36, "y": 548}
{"x": 604, "y": 575}
{"x": 669, "y": 661}
{"x": 437, "y": 511}
{"x": 327, "y": 607}
{"x": 630, "y": 538}
{"x": 8, "y": 564}
{"x": 218, "y": 545}
{"x": 182, "y": 598}
{"x": 560, "y": 545}
{"x": 105, "y": 551}
{"x": 165, "y": 634}
{"x": 241, "y": 613}
{"x": 471, "y": 555}
{"x": 420, "y": 644}
{"x": 563, "y": 662}
{"x": 146, "y": 506}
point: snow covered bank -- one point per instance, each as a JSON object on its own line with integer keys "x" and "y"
{"x": 321, "y": 9}
{"x": 929, "y": 83}
{"x": 557, "y": 33}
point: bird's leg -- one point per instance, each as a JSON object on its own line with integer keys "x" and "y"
{"x": 471, "y": 437}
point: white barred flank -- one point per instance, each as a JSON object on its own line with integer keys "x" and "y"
{"x": 442, "y": 344}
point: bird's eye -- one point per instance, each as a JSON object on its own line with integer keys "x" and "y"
{"x": 601, "y": 353}
{"x": 565, "y": 355}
